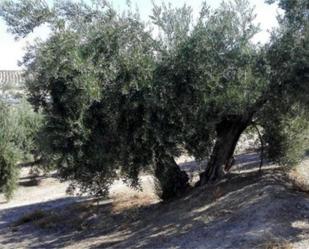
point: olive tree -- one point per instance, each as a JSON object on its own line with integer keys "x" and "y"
{"x": 94, "y": 80}
{"x": 225, "y": 83}
{"x": 120, "y": 99}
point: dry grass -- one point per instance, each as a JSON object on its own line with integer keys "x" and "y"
{"x": 88, "y": 214}
{"x": 299, "y": 181}
{"x": 123, "y": 203}
{"x": 273, "y": 244}
{"x": 73, "y": 218}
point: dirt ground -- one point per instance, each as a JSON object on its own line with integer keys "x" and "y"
{"x": 245, "y": 210}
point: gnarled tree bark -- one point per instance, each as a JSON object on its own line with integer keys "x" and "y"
{"x": 173, "y": 181}
{"x": 228, "y": 133}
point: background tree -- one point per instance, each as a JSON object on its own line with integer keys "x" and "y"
{"x": 8, "y": 154}
{"x": 287, "y": 132}
{"x": 18, "y": 129}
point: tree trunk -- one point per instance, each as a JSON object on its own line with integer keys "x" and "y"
{"x": 173, "y": 181}
{"x": 228, "y": 133}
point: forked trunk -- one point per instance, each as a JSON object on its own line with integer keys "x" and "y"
{"x": 228, "y": 133}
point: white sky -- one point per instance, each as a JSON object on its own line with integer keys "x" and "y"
{"x": 12, "y": 51}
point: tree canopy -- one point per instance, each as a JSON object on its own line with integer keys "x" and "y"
{"x": 119, "y": 98}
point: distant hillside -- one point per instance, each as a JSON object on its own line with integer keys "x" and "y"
{"x": 11, "y": 85}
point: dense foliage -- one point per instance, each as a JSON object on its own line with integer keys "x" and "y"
{"x": 120, "y": 99}
{"x": 285, "y": 118}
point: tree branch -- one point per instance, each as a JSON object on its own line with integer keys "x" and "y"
{"x": 262, "y": 146}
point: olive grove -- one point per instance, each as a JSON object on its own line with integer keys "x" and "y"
{"x": 121, "y": 96}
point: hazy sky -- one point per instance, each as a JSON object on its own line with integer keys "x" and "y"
{"x": 11, "y": 51}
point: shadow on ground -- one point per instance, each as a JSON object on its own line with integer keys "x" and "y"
{"x": 10, "y": 215}
{"x": 245, "y": 161}
{"x": 243, "y": 211}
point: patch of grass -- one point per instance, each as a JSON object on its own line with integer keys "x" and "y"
{"x": 299, "y": 182}
{"x": 136, "y": 201}
{"x": 83, "y": 207}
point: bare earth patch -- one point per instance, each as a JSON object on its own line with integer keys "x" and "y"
{"x": 247, "y": 210}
